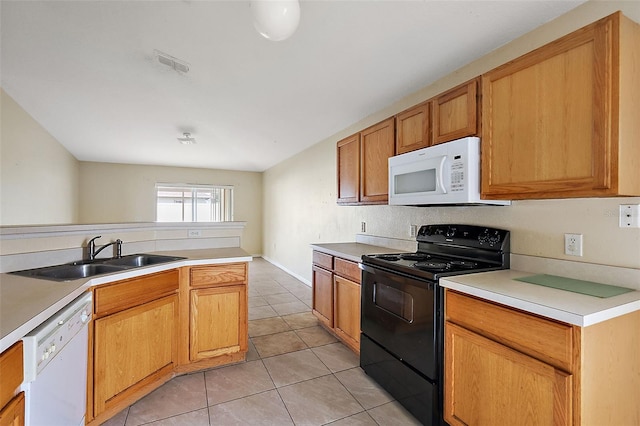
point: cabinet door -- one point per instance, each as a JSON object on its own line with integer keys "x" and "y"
{"x": 348, "y": 155}
{"x": 346, "y": 295}
{"x": 455, "y": 113}
{"x": 376, "y": 146}
{"x": 13, "y": 413}
{"x": 218, "y": 321}
{"x": 413, "y": 128}
{"x": 132, "y": 349}
{"x": 487, "y": 383}
{"x": 547, "y": 120}
{"x": 323, "y": 295}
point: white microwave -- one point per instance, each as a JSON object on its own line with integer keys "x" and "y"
{"x": 447, "y": 173}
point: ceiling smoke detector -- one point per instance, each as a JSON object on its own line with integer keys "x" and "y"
{"x": 170, "y": 61}
{"x": 187, "y": 139}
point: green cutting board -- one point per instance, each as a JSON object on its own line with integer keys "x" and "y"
{"x": 589, "y": 288}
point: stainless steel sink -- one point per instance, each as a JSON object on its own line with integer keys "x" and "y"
{"x": 70, "y": 272}
{"x": 138, "y": 260}
{"x": 91, "y": 268}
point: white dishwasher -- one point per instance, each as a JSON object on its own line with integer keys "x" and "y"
{"x": 55, "y": 367}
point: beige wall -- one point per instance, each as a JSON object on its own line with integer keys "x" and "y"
{"x": 38, "y": 176}
{"x": 113, "y": 193}
{"x": 300, "y": 193}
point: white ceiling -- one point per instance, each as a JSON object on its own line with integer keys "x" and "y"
{"x": 86, "y": 71}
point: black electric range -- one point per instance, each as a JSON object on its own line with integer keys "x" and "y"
{"x": 401, "y": 344}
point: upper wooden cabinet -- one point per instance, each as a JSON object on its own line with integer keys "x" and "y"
{"x": 349, "y": 170}
{"x": 562, "y": 120}
{"x": 362, "y": 164}
{"x": 413, "y": 128}
{"x": 455, "y": 113}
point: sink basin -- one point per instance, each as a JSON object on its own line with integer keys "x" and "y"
{"x": 70, "y": 272}
{"x": 138, "y": 260}
{"x": 90, "y": 268}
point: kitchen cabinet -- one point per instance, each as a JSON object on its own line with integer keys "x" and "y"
{"x": 217, "y": 323}
{"x": 135, "y": 337}
{"x": 12, "y": 405}
{"x": 506, "y": 366}
{"x": 349, "y": 170}
{"x": 413, "y": 128}
{"x": 455, "y": 113}
{"x": 562, "y": 120}
{"x": 336, "y": 297}
{"x": 363, "y": 156}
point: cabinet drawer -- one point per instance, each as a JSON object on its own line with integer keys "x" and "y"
{"x": 229, "y": 273}
{"x": 322, "y": 259}
{"x": 347, "y": 269}
{"x": 11, "y": 372}
{"x": 546, "y": 340}
{"x": 125, "y": 294}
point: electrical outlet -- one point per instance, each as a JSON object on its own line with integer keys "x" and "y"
{"x": 629, "y": 216}
{"x": 363, "y": 226}
{"x": 573, "y": 244}
{"x": 413, "y": 229}
{"x": 194, "y": 233}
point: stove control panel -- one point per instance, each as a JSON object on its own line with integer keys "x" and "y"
{"x": 465, "y": 235}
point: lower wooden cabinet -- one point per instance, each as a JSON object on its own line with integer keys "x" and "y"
{"x": 336, "y": 297}
{"x": 134, "y": 339}
{"x": 503, "y": 366}
{"x": 11, "y": 376}
{"x": 218, "y": 321}
{"x": 215, "y": 316}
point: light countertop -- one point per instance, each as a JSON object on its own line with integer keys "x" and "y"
{"x": 27, "y": 302}
{"x": 573, "y": 308}
{"x": 352, "y": 251}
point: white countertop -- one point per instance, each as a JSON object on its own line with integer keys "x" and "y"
{"x": 27, "y": 302}
{"x": 565, "y": 306}
{"x": 352, "y": 251}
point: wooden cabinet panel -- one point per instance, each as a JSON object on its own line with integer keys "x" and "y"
{"x": 413, "y": 128}
{"x": 322, "y": 259}
{"x": 218, "y": 321}
{"x": 544, "y": 339}
{"x": 377, "y": 145}
{"x": 224, "y": 274}
{"x": 347, "y": 269}
{"x": 490, "y": 384}
{"x": 346, "y": 295}
{"x": 348, "y": 155}
{"x": 11, "y": 372}
{"x": 455, "y": 113}
{"x": 323, "y": 295}
{"x": 132, "y": 348}
{"x": 110, "y": 298}
{"x": 554, "y": 122}
{"x": 13, "y": 413}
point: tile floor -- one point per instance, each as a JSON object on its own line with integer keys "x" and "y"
{"x": 296, "y": 373}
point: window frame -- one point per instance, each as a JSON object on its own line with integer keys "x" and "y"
{"x": 226, "y": 212}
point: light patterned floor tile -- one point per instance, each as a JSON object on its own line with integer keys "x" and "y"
{"x": 295, "y": 367}
{"x": 264, "y": 409}
{"x": 236, "y": 381}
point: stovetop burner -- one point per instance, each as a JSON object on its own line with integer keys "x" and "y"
{"x": 445, "y": 250}
{"x": 432, "y": 266}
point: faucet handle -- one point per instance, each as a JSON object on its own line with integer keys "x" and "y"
{"x": 93, "y": 239}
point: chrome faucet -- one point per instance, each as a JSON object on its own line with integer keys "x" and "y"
{"x": 92, "y": 252}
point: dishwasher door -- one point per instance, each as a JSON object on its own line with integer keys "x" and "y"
{"x": 55, "y": 357}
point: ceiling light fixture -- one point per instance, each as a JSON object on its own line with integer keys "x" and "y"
{"x": 276, "y": 20}
{"x": 187, "y": 139}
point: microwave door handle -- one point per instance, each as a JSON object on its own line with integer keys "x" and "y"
{"x": 441, "y": 174}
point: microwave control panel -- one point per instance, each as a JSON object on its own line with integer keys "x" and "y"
{"x": 457, "y": 173}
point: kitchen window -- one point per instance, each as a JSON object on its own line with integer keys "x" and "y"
{"x": 194, "y": 203}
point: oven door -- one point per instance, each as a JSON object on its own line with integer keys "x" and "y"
{"x": 399, "y": 313}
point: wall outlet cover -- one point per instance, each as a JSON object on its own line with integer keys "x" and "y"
{"x": 573, "y": 244}
{"x": 629, "y": 216}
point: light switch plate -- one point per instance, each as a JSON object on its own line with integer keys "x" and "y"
{"x": 629, "y": 216}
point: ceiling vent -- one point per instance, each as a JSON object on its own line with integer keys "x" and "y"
{"x": 170, "y": 61}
